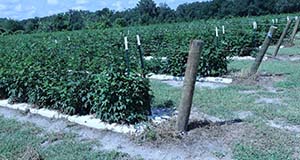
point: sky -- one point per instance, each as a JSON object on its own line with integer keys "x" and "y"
{"x": 22, "y": 9}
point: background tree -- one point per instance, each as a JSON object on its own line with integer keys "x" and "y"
{"x": 120, "y": 22}
{"x": 31, "y": 25}
{"x": 60, "y": 23}
{"x": 148, "y": 11}
{"x": 11, "y": 25}
{"x": 76, "y": 22}
{"x": 165, "y": 13}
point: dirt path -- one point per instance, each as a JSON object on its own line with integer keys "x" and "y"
{"x": 201, "y": 143}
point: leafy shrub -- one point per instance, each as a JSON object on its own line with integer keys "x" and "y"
{"x": 177, "y": 63}
{"x": 156, "y": 65}
{"x": 112, "y": 95}
{"x": 120, "y": 98}
{"x": 213, "y": 61}
{"x": 52, "y": 76}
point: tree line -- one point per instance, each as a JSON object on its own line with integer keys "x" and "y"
{"x": 148, "y": 12}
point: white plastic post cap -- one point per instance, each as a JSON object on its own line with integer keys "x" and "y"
{"x": 126, "y": 43}
{"x": 255, "y": 25}
{"x": 223, "y": 28}
{"x": 138, "y": 40}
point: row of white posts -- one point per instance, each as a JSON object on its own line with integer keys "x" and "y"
{"x": 127, "y": 56}
{"x": 254, "y": 24}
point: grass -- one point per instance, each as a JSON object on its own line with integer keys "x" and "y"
{"x": 286, "y": 51}
{"x": 17, "y": 140}
{"x": 265, "y": 142}
{"x": 164, "y": 93}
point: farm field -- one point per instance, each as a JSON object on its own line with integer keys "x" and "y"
{"x": 268, "y": 109}
{"x": 89, "y": 73}
{"x": 260, "y": 105}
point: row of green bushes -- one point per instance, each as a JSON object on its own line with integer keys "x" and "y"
{"x": 168, "y": 40}
{"x": 173, "y": 43}
{"x": 69, "y": 83}
{"x": 240, "y": 39}
{"x": 83, "y": 72}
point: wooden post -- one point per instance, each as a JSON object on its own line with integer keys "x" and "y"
{"x": 284, "y": 33}
{"x": 295, "y": 31}
{"x": 189, "y": 85}
{"x": 262, "y": 51}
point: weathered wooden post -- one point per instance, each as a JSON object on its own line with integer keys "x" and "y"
{"x": 284, "y": 33}
{"x": 189, "y": 85}
{"x": 262, "y": 51}
{"x": 295, "y": 30}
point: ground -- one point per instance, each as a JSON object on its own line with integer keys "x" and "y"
{"x": 257, "y": 118}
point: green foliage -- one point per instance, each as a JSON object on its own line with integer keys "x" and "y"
{"x": 147, "y": 11}
{"x": 11, "y": 25}
{"x": 172, "y": 42}
{"x": 157, "y": 65}
{"x": 177, "y": 63}
{"x": 118, "y": 97}
{"x": 74, "y": 71}
{"x": 52, "y": 71}
{"x": 246, "y": 45}
{"x": 214, "y": 61}
{"x": 76, "y": 21}
{"x": 121, "y": 22}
